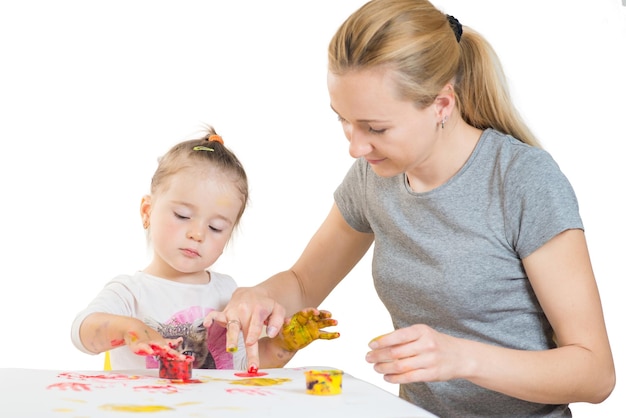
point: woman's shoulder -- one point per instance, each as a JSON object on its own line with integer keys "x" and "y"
{"x": 510, "y": 151}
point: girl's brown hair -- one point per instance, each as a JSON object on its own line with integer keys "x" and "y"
{"x": 208, "y": 150}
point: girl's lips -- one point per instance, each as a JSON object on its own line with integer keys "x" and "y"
{"x": 189, "y": 252}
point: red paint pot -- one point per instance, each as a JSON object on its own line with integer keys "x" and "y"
{"x": 175, "y": 369}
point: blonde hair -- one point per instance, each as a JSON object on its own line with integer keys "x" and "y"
{"x": 416, "y": 41}
{"x": 209, "y": 151}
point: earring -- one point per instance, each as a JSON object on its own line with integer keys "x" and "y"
{"x": 443, "y": 121}
{"x": 146, "y": 223}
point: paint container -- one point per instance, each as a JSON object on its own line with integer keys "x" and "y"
{"x": 323, "y": 382}
{"x": 175, "y": 369}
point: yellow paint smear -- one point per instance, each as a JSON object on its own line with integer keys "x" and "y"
{"x": 188, "y": 403}
{"x": 135, "y": 408}
{"x": 260, "y": 381}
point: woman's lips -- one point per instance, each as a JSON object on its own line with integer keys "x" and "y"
{"x": 374, "y": 161}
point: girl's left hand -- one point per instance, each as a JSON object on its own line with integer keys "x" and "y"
{"x": 304, "y": 327}
{"x": 416, "y": 354}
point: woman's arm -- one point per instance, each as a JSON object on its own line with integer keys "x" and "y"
{"x": 329, "y": 256}
{"x": 580, "y": 369}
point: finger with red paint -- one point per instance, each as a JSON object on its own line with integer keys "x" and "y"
{"x": 149, "y": 342}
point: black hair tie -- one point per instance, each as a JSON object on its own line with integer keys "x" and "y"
{"x": 456, "y": 27}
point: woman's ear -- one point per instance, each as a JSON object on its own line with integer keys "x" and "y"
{"x": 144, "y": 210}
{"x": 445, "y": 102}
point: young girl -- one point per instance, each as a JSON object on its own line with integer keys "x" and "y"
{"x": 197, "y": 197}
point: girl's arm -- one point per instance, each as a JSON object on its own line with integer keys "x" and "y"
{"x": 302, "y": 329}
{"x": 332, "y": 252}
{"x": 101, "y": 332}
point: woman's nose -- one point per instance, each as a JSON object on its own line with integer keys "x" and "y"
{"x": 359, "y": 145}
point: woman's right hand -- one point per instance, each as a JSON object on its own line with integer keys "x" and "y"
{"x": 249, "y": 310}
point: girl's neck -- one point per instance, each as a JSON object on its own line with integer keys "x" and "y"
{"x": 168, "y": 273}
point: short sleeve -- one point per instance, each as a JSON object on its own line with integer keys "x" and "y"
{"x": 350, "y": 197}
{"x": 540, "y": 202}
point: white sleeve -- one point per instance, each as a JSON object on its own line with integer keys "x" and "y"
{"x": 115, "y": 298}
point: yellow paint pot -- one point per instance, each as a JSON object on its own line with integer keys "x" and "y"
{"x": 323, "y": 382}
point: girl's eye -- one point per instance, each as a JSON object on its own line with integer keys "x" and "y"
{"x": 214, "y": 229}
{"x": 179, "y": 216}
{"x": 377, "y": 131}
{"x": 340, "y": 119}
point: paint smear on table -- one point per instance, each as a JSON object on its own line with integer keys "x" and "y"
{"x": 135, "y": 408}
{"x": 260, "y": 381}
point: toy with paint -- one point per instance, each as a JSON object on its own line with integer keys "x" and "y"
{"x": 323, "y": 382}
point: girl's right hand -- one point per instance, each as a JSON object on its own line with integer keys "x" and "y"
{"x": 151, "y": 343}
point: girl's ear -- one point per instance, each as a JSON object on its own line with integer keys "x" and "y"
{"x": 144, "y": 210}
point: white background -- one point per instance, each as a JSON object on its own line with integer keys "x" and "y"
{"x": 91, "y": 93}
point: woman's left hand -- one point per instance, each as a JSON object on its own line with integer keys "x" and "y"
{"x": 416, "y": 354}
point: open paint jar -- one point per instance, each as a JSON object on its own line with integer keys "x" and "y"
{"x": 323, "y": 382}
{"x": 174, "y": 368}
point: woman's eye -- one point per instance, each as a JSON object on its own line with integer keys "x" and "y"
{"x": 340, "y": 119}
{"x": 377, "y": 131}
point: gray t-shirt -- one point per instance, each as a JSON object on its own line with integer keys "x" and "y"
{"x": 451, "y": 257}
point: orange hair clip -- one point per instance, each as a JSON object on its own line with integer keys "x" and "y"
{"x": 216, "y": 138}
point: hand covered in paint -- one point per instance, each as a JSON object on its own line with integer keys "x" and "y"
{"x": 151, "y": 343}
{"x": 305, "y": 327}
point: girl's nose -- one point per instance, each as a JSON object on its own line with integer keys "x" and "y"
{"x": 196, "y": 234}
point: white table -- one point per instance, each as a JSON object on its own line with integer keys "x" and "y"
{"x": 214, "y": 393}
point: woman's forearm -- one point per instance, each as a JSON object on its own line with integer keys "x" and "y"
{"x": 562, "y": 375}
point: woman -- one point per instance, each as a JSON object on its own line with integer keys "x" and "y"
{"x": 479, "y": 250}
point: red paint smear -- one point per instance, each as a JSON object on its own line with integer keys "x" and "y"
{"x": 76, "y": 387}
{"x": 184, "y": 382}
{"x": 111, "y": 376}
{"x": 251, "y": 391}
{"x": 156, "y": 389}
{"x": 252, "y": 372}
{"x": 117, "y": 343}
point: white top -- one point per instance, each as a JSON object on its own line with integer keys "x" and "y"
{"x": 175, "y": 310}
